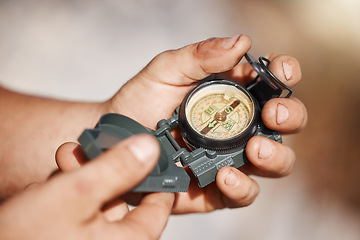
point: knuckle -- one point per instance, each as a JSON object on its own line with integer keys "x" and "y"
{"x": 162, "y": 58}
{"x": 286, "y": 68}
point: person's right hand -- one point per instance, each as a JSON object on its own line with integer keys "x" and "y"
{"x": 71, "y": 205}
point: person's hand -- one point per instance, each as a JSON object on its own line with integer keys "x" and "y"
{"x": 159, "y": 88}
{"x": 73, "y": 205}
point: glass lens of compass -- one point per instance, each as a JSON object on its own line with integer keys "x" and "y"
{"x": 219, "y": 111}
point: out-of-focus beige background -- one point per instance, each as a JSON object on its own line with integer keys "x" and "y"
{"x": 85, "y": 50}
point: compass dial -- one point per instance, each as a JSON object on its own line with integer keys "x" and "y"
{"x": 220, "y": 111}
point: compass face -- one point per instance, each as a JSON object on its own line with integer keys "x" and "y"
{"x": 219, "y": 111}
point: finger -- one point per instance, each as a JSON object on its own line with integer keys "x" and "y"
{"x": 270, "y": 158}
{"x": 197, "y": 61}
{"x": 286, "y": 115}
{"x": 284, "y": 67}
{"x": 181, "y": 68}
{"x": 238, "y": 189}
{"x": 111, "y": 174}
{"x": 115, "y": 210}
{"x": 226, "y": 192}
{"x": 149, "y": 219}
{"x": 69, "y": 156}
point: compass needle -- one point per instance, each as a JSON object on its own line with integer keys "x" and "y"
{"x": 219, "y": 110}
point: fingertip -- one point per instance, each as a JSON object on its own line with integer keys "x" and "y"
{"x": 239, "y": 190}
{"x": 273, "y": 159}
{"x": 216, "y": 55}
{"x": 285, "y": 115}
{"x": 145, "y": 148}
{"x": 69, "y": 156}
{"x": 211, "y": 47}
{"x": 244, "y": 42}
{"x": 286, "y": 69}
{"x": 258, "y": 148}
{"x": 228, "y": 177}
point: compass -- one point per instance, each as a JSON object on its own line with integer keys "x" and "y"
{"x": 218, "y": 115}
{"x": 216, "y": 119}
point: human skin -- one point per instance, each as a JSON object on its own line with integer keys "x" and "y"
{"x": 164, "y": 83}
{"x": 70, "y": 205}
{"x": 38, "y": 126}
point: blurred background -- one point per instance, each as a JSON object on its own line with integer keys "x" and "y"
{"x": 86, "y": 50}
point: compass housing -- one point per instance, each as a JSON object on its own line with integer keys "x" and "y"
{"x": 200, "y": 116}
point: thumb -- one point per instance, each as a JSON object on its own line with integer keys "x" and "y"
{"x": 197, "y": 61}
{"x": 172, "y": 74}
{"x": 111, "y": 174}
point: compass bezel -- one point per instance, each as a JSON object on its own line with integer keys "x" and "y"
{"x": 196, "y": 140}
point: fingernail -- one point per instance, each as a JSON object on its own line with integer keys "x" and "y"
{"x": 265, "y": 150}
{"x": 142, "y": 149}
{"x": 230, "y": 42}
{"x": 282, "y": 114}
{"x": 287, "y": 70}
{"x": 231, "y": 179}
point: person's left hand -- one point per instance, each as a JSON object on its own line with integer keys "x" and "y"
{"x": 159, "y": 88}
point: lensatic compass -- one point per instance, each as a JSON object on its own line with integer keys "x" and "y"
{"x": 218, "y": 115}
{"x": 216, "y": 119}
